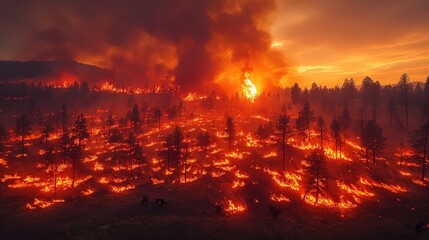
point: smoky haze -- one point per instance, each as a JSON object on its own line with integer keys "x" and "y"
{"x": 192, "y": 43}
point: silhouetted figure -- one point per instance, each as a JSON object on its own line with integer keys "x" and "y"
{"x": 161, "y": 202}
{"x": 275, "y": 212}
{"x": 218, "y": 208}
{"x": 420, "y": 226}
{"x": 145, "y": 201}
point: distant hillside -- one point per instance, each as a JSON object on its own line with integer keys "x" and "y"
{"x": 11, "y": 71}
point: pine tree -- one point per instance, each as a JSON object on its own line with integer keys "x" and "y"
{"x": 23, "y": 128}
{"x": 2, "y": 136}
{"x": 404, "y": 85}
{"x": 115, "y": 138}
{"x": 321, "y": 127}
{"x": 373, "y": 139}
{"x": 110, "y": 122}
{"x": 285, "y": 130}
{"x": 336, "y": 135}
{"x": 420, "y": 145}
{"x": 80, "y": 133}
{"x": 230, "y": 130}
{"x": 317, "y": 175}
{"x": 203, "y": 140}
{"x": 131, "y": 142}
{"x": 135, "y": 117}
{"x": 305, "y": 117}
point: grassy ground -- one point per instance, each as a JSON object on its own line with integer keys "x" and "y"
{"x": 190, "y": 215}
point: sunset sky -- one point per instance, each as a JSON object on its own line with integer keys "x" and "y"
{"x": 327, "y": 41}
{"x": 197, "y": 43}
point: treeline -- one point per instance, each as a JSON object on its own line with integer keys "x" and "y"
{"x": 370, "y": 93}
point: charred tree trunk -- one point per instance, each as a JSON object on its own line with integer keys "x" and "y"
{"x": 73, "y": 166}
{"x": 22, "y": 144}
{"x": 424, "y": 154}
{"x": 130, "y": 162}
{"x": 406, "y": 106}
{"x": 361, "y": 128}
{"x": 283, "y": 150}
{"x": 317, "y": 185}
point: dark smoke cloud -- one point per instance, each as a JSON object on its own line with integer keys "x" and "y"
{"x": 190, "y": 42}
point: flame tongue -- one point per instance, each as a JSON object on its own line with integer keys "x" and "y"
{"x": 249, "y": 89}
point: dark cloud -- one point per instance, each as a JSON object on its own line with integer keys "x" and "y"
{"x": 150, "y": 41}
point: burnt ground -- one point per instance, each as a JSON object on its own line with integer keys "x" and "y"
{"x": 191, "y": 215}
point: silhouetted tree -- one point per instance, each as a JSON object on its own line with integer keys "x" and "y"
{"x": 138, "y": 155}
{"x": 371, "y": 95}
{"x": 2, "y": 135}
{"x": 285, "y": 130}
{"x": 131, "y": 142}
{"x": 135, "y": 117}
{"x": 203, "y": 140}
{"x": 348, "y": 91}
{"x": 321, "y": 127}
{"x": 172, "y": 112}
{"x": 47, "y": 129}
{"x": 345, "y": 121}
{"x": 404, "y": 85}
{"x": 317, "y": 180}
{"x": 425, "y": 111}
{"x": 110, "y": 122}
{"x": 373, "y": 139}
{"x": 336, "y": 135}
{"x": 156, "y": 115}
{"x": 23, "y": 128}
{"x": 230, "y": 130}
{"x": 305, "y": 117}
{"x": 115, "y": 138}
{"x": 63, "y": 112}
{"x": 66, "y": 143}
{"x": 264, "y": 130}
{"x": 420, "y": 145}
{"x": 178, "y": 144}
{"x": 391, "y": 108}
{"x": 80, "y": 133}
{"x": 80, "y": 130}
{"x": 295, "y": 94}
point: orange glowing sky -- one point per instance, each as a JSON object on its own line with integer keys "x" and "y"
{"x": 328, "y": 41}
{"x": 322, "y": 41}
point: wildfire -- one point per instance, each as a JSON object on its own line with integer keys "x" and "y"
{"x": 328, "y": 202}
{"x": 121, "y": 188}
{"x": 235, "y": 155}
{"x": 249, "y": 89}
{"x": 352, "y": 189}
{"x": 217, "y": 174}
{"x": 42, "y": 204}
{"x": 88, "y": 191}
{"x": 156, "y": 181}
{"x": 289, "y": 180}
{"x": 3, "y": 162}
{"x": 270, "y": 155}
{"x": 193, "y": 96}
{"x": 240, "y": 175}
{"x": 10, "y": 177}
{"x": 237, "y": 184}
{"x": 279, "y": 198}
{"x": 390, "y": 188}
{"x": 98, "y": 167}
{"x": 103, "y": 180}
{"x": 233, "y": 208}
